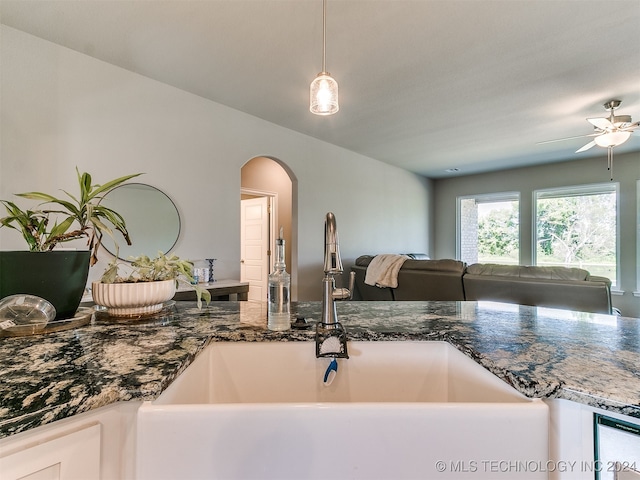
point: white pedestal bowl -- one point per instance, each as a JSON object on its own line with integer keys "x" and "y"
{"x": 133, "y": 299}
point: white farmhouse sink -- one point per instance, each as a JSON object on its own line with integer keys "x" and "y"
{"x": 394, "y": 411}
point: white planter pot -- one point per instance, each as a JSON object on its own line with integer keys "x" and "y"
{"x": 132, "y": 299}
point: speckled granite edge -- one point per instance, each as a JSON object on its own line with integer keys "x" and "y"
{"x": 586, "y": 358}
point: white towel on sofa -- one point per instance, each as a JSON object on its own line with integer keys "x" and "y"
{"x": 383, "y": 270}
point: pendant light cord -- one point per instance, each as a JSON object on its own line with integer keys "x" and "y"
{"x": 324, "y": 35}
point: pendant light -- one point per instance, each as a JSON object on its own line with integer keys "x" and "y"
{"x": 324, "y": 89}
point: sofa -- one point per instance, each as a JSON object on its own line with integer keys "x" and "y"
{"x": 425, "y": 279}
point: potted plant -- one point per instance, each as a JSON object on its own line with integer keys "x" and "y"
{"x": 58, "y": 276}
{"x": 146, "y": 285}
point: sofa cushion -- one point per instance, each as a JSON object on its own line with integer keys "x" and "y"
{"x": 446, "y": 265}
{"x": 436, "y": 281}
{"x": 522, "y": 271}
{"x": 364, "y": 260}
{"x": 557, "y": 287}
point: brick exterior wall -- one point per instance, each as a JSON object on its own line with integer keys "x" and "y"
{"x": 469, "y": 231}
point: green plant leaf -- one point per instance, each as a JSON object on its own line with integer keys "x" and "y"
{"x": 93, "y": 220}
{"x": 31, "y": 224}
{"x": 98, "y": 189}
{"x": 60, "y": 229}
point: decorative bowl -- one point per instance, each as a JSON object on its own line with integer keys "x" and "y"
{"x": 25, "y": 314}
{"x": 133, "y": 299}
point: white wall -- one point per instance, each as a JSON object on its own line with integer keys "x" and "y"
{"x": 61, "y": 109}
{"x": 626, "y": 171}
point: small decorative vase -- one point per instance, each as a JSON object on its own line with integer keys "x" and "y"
{"x": 133, "y": 299}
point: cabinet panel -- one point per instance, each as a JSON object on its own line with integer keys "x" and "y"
{"x": 52, "y": 472}
{"x": 71, "y": 455}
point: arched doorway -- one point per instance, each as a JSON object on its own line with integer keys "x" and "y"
{"x": 268, "y": 198}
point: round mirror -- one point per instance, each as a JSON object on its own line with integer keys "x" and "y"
{"x": 152, "y": 220}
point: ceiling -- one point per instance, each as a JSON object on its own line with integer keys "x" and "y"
{"x": 426, "y": 85}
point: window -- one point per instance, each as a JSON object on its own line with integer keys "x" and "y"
{"x": 577, "y": 227}
{"x": 488, "y": 228}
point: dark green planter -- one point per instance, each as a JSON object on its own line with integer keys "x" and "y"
{"x": 59, "y": 277}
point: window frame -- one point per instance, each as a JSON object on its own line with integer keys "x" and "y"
{"x": 576, "y": 191}
{"x": 508, "y": 196}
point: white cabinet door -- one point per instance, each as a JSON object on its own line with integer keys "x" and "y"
{"x": 71, "y": 455}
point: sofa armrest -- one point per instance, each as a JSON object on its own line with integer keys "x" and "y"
{"x": 595, "y": 278}
{"x": 362, "y": 291}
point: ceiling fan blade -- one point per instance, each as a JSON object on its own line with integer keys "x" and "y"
{"x": 621, "y": 120}
{"x": 601, "y": 123}
{"x": 568, "y": 138}
{"x": 586, "y": 147}
{"x": 629, "y": 128}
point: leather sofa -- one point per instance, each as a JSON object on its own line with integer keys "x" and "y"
{"x": 557, "y": 287}
{"x": 418, "y": 279}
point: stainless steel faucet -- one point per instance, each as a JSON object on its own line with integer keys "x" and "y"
{"x": 331, "y": 339}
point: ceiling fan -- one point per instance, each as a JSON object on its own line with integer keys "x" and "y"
{"x": 609, "y": 132}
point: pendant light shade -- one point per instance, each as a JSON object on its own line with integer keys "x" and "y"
{"x": 323, "y": 92}
{"x": 324, "y": 95}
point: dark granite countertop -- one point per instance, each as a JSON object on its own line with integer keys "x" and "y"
{"x": 588, "y": 358}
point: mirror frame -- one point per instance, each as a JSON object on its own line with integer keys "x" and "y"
{"x": 109, "y": 245}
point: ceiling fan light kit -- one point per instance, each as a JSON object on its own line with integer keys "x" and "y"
{"x": 323, "y": 92}
{"x": 612, "y": 139}
{"x": 609, "y": 132}
{"x": 612, "y": 131}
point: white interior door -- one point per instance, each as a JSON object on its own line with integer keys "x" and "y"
{"x": 254, "y": 246}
